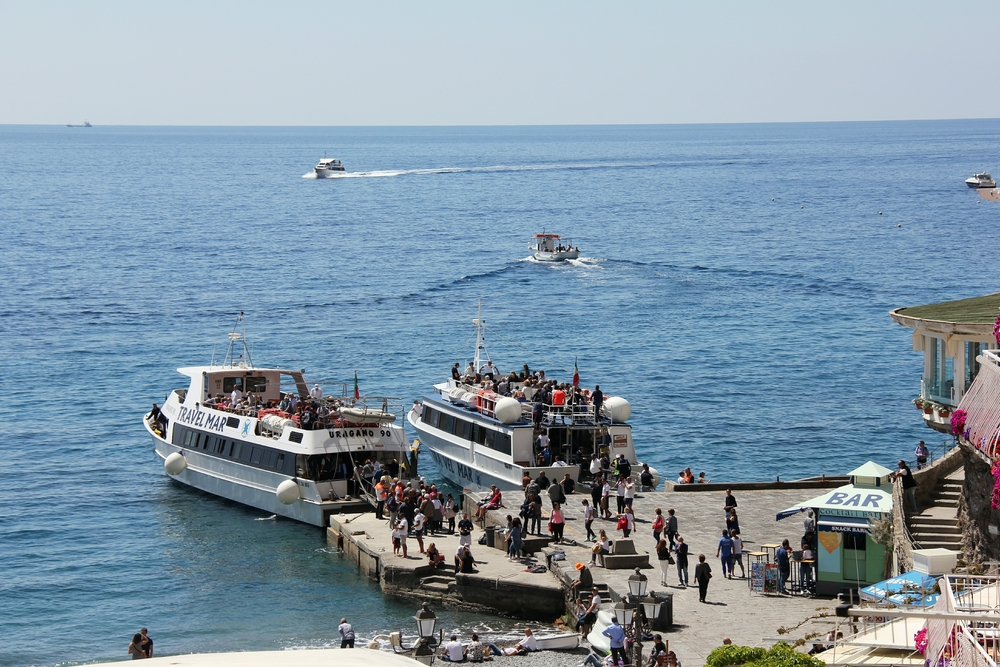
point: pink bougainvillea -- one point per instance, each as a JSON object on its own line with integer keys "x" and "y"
{"x": 995, "y": 498}
{"x": 996, "y": 330}
{"x": 957, "y": 422}
{"x": 920, "y": 639}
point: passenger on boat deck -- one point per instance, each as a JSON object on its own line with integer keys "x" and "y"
{"x": 316, "y": 393}
{"x": 456, "y": 374}
{"x": 470, "y": 370}
{"x": 488, "y": 369}
{"x": 236, "y": 396}
{"x": 293, "y": 402}
{"x": 519, "y": 396}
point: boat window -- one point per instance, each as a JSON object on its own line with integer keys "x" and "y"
{"x": 280, "y": 462}
{"x": 434, "y": 417}
{"x": 463, "y": 429}
{"x": 188, "y": 436}
{"x": 230, "y": 383}
{"x": 233, "y": 422}
{"x": 255, "y": 458}
{"x": 234, "y": 452}
{"x": 245, "y": 453}
{"x": 256, "y": 385}
{"x": 501, "y": 443}
{"x": 488, "y": 437}
{"x": 221, "y": 448}
{"x": 481, "y": 434}
{"x": 447, "y": 423}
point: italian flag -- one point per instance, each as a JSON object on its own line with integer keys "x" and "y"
{"x": 357, "y": 394}
{"x": 576, "y": 374}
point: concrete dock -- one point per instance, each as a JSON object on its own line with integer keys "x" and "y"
{"x": 497, "y": 584}
{"x": 732, "y": 610}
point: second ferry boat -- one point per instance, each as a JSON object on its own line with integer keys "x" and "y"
{"x": 264, "y": 438}
{"x": 479, "y": 437}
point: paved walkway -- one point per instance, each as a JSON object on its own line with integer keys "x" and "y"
{"x": 732, "y": 611}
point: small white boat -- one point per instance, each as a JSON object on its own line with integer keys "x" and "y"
{"x": 553, "y": 248}
{"x": 367, "y": 416}
{"x": 983, "y": 180}
{"x": 563, "y": 642}
{"x": 328, "y": 167}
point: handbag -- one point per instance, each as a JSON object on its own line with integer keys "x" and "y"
{"x": 622, "y": 522}
{"x": 596, "y": 549}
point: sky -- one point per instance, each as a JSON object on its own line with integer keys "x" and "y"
{"x": 545, "y": 62}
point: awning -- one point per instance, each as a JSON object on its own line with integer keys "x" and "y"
{"x": 795, "y": 509}
{"x": 848, "y": 500}
{"x": 843, "y": 524}
{"x": 913, "y": 588}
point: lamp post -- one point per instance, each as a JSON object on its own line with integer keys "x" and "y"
{"x": 423, "y": 650}
{"x": 630, "y": 613}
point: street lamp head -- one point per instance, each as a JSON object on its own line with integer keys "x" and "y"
{"x": 624, "y": 612}
{"x": 426, "y": 620}
{"x": 637, "y": 584}
{"x": 651, "y": 607}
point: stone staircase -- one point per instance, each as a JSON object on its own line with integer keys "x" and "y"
{"x": 936, "y": 527}
{"x": 441, "y": 583}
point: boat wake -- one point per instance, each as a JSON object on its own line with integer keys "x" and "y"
{"x": 273, "y": 517}
{"x": 385, "y": 173}
{"x": 581, "y": 262}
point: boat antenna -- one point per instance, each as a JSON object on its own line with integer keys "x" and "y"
{"x": 480, "y": 338}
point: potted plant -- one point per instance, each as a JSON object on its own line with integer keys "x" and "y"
{"x": 919, "y": 402}
{"x": 944, "y": 412}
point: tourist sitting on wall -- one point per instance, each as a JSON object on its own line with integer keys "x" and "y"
{"x": 434, "y": 557}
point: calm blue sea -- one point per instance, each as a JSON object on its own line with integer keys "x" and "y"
{"x": 735, "y": 288}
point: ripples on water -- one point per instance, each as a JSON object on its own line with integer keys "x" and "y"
{"x": 735, "y": 289}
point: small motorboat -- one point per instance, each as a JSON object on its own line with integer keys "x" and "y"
{"x": 553, "y": 248}
{"x": 566, "y": 641}
{"x": 328, "y": 167}
{"x": 983, "y": 180}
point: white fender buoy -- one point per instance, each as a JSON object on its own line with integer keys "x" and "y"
{"x": 287, "y": 492}
{"x": 507, "y": 410}
{"x": 618, "y": 409}
{"x": 175, "y": 463}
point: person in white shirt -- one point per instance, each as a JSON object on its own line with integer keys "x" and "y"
{"x": 606, "y": 499}
{"x": 403, "y": 527}
{"x": 453, "y": 651}
{"x": 738, "y": 553}
{"x": 527, "y": 644}
{"x": 235, "y": 397}
{"x": 316, "y": 393}
{"x": 629, "y": 491}
{"x": 418, "y": 529}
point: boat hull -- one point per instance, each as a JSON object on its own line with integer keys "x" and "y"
{"x": 557, "y": 256}
{"x": 328, "y": 173}
{"x": 563, "y": 642}
{"x": 249, "y": 486}
{"x": 479, "y": 471}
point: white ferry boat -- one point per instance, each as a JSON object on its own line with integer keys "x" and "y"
{"x": 479, "y": 437}
{"x": 553, "y": 248}
{"x": 233, "y": 432}
{"x": 983, "y": 180}
{"x": 328, "y": 167}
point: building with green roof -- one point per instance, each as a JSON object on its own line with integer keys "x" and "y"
{"x": 951, "y": 335}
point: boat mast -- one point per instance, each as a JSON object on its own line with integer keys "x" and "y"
{"x": 243, "y": 360}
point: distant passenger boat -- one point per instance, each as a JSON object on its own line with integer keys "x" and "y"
{"x": 983, "y": 180}
{"x": 86, "y": 123}
{"x": 328, "y": 167}
{"x": 230, "y": 432}
{"x": 553, "y": 248}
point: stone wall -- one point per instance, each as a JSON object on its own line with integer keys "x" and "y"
{"x": 926, "y": 480}
{"x": 976, "y": 517}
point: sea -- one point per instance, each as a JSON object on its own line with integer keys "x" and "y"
{"x": 734, "y": 285}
